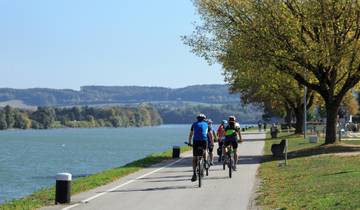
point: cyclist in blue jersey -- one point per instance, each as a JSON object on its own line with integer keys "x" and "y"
{"x": 199, "y": 135}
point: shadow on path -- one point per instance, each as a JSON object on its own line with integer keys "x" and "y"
{"x": 163, "y": 177}
{"x": 156, "y": 189}
{"x": 170, "y": 180}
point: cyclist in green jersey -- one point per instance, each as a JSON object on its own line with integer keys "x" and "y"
{"x": 232, "y": 136}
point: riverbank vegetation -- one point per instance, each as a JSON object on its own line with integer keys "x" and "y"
{"x": 46, "y": 196}
{"x": 121, "y": 116}
{"x": 318, "y": 176}
{"x": 79, "y": 117}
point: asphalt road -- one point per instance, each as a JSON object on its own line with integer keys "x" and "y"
{"x": 167, "y": 186}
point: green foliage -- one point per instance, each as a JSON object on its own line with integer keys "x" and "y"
{"x": 79, "y": 117}
{"x": 3, "y": 122}
{"x": 313, "y": 42}
{"x": 142, "y": 115}
{"x": 14, "y": 118}
{"x": 9, "y": 114}
{"x": 45, "y": 116}
{"x": 22, "y": 121}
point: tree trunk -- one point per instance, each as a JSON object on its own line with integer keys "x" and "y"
{"x": 299, "y": 114}
{"x": 288, "y": 116}
{"x": 331, "y": 121}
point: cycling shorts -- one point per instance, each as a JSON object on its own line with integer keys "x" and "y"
{"x": 210, "y": 147}
{"x": 199, "y": 148}
{"x": 231, "y": 141}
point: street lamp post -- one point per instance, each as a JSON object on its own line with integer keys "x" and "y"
{"x": 305, "y": 110}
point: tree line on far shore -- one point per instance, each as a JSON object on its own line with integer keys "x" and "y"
{"x": 79, "y": 117}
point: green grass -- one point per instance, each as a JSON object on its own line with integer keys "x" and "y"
{"x": 310, "y": 181}
{"x": 45, "y": 197}
{"x": 354, "y": 142}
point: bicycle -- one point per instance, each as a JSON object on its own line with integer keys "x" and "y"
{"x": 201, "y": 165}
{"x": 228, "y": 159}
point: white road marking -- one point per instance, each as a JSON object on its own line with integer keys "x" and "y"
{"x": 122, "y": 185}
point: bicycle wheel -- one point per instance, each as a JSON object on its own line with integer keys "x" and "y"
{"x": 230, "y": 166}
{"x": 200, "y": 168}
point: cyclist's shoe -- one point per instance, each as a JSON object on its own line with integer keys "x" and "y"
{"x": 193, "y": 178}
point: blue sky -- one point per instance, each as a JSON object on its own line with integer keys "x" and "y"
{"x": 70, "y": 43}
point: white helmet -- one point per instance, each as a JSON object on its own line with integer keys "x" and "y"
{"x": 201, "y": 116}
{"x": 232, "y": 118}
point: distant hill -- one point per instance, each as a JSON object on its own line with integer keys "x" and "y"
{"x": 100, "y": 95}
{"x": 178, "y": 105}
{"x": 182, "y": 114}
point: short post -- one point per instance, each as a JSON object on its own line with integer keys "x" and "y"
{"x": 339, "y": 134}
{"x": 286, "y": 151}
{"x": 176, "y": 152}
{"x": 63, "y": 188}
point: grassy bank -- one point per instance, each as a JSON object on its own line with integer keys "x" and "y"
{"x": 310, "y": 181}
{"x": 46, "y": 196}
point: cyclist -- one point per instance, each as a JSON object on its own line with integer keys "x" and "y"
{"x": 199, "y": 134}
{"x": 220, "y": 133}
{"x": 210, "y": 142}
{"x": 232, "y": 136}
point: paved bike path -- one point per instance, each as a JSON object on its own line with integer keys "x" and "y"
{"x": 167, "y": 185}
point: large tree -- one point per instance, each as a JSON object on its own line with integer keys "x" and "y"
{"x": 316, "y": 42}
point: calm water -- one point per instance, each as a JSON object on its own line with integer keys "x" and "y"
{"x": 30, "y": 159}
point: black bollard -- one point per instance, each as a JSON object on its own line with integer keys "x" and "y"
{"x": 63, "y": 188}
{"x": 176, "y": 152}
